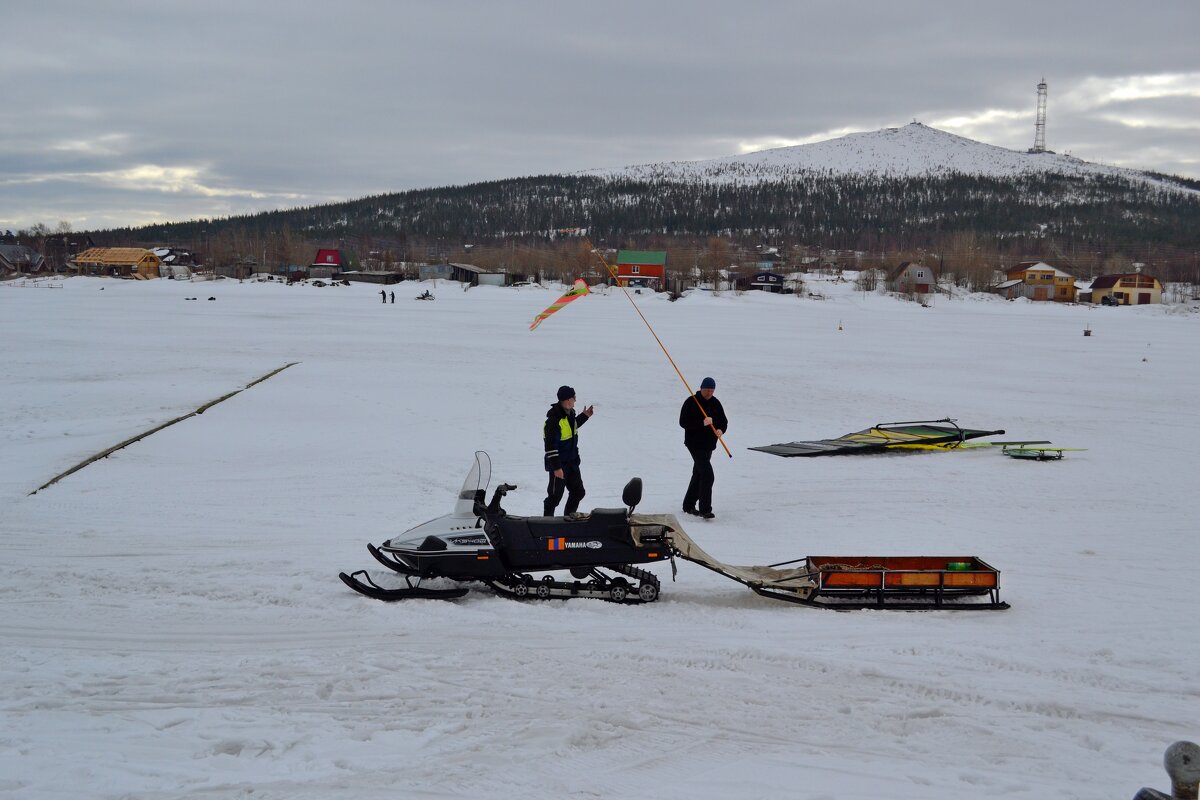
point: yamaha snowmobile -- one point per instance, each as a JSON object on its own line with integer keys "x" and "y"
{"x": 481, "y": 542}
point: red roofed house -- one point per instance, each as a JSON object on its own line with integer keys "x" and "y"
{"x": 642, "y": 268}
{"x": 330, "y": 261}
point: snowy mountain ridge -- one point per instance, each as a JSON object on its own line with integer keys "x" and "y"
{"x": 914, "y": 150}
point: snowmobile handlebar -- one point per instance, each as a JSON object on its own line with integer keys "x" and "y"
{"x": 501, "y": 490}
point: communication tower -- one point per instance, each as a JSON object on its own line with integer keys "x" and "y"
{"x": 1039, "y": 130}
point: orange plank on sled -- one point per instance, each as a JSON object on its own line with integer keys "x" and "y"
{"x": 874, "y": 572}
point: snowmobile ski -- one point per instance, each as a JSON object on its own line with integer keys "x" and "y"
{"x": 368, "y": 587}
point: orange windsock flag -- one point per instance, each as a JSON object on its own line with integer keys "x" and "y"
{"x": 574, "y": 293}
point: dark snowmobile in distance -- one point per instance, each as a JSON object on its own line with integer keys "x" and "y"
{"x": 482, "y": 542}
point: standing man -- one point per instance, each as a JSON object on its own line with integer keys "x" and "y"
{"x": 382, "y": 296}
{"x": 562, "y": 452}
{"x": 393, "y": 297}
{"x": 703, "y": 420}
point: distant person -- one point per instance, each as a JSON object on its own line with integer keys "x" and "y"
{"x": 703, "y": 421}
{"x": 562, "y": 452}
{"x": 382, "y": 296}
{"x": 393, "y": 298}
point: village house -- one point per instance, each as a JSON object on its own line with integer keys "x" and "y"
{"x": 328, "y": 262}
{"x": 767, "y": 281}
{"x": 1037, "y": 280}
{"x": 373, "y": 276}
{"x": 463, "y": 273}
{"x": 177, "y": 263}
{"x": 645, "y": 268}
{"x": 17, "y": 258}
{"x": 1129, "y": 288}
{"x": 242, "y": 267}
{"x": 909, "y": 278}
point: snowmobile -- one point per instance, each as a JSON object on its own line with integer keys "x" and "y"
{"x": 481, "y": 542}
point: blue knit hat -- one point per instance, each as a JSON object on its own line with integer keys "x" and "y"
{"x": 708, "y": 383}
{"x": 565, "y": 393}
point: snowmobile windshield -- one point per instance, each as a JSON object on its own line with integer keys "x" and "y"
{"x": 475, "y": 486}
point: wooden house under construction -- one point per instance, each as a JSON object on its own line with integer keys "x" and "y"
{"x": 122, "y": 262}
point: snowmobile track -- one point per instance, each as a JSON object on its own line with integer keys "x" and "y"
{"x": 520, "y": 586}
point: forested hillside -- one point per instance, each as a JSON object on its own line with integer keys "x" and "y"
{"x": 888, "y": 191}
{"x": 849, "y": 211}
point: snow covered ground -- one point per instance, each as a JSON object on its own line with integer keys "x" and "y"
{"x": 172, "y": 624}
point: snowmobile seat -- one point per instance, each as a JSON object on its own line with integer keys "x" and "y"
{"x": 609, "y": 516}
{"x": 543, "y": 527}
{"x": 600, "y": 520}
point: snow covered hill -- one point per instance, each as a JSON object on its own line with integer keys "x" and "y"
{"x": 909, "y": 185}
{"x": 914, "y": 150}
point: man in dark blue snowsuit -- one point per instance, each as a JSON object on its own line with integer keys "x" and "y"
{"x": 562, "y": 452}
{"x": 703, "y": 420}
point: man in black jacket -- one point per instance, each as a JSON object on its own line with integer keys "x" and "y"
{"x": 703, "y": 420}
{"x": 562, "y": 452}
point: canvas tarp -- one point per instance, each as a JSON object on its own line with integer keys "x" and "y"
{"x": 796, "y": 580}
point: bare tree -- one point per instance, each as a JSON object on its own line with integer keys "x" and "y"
{"x": 716, "y": 257}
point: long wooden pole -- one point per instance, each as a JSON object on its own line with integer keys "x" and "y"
{"x": 613, "y": 272}
{"x": 106, "y": 453}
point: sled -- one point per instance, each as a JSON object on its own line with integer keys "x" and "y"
{"x": 1028, "y": 453}
{"x": 845, "y": 583}
{"x": 906, "y": 582}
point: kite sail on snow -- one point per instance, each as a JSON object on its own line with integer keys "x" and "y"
{"x": 884, "y": 436}
{"x": 574, "y": 293}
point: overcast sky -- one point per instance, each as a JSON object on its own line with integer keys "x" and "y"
{"x": 124, "y": 113}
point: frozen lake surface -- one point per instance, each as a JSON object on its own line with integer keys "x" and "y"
{"x": 172, "y": 623}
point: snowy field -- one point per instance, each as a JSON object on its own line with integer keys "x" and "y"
{"x": 172, "y": 623}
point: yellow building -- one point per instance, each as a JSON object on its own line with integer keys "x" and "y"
{"x": 134, "y": 262}
{"x": 1130, "y": 288}
{"x": 1038, "y": 280}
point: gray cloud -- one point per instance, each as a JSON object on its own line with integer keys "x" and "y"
{"x": 131, "y": 112}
